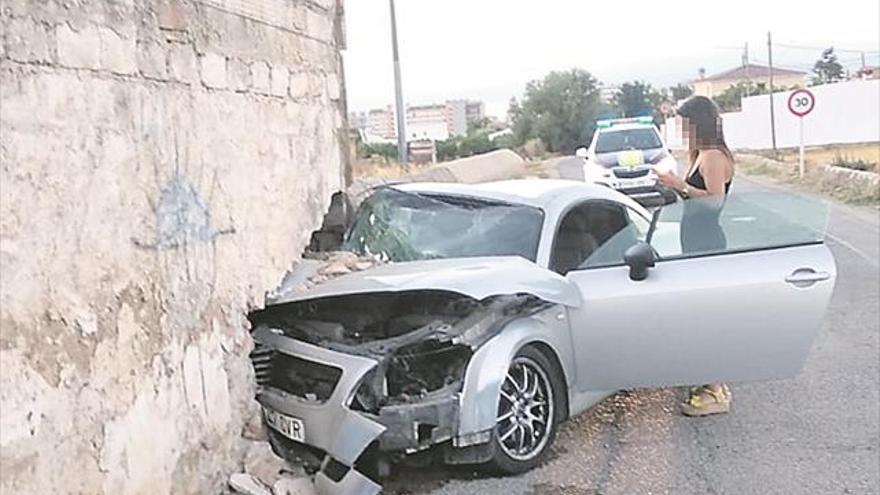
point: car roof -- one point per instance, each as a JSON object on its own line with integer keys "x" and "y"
{"x": 541, "y": 193}
{"x": 626, "y": 127}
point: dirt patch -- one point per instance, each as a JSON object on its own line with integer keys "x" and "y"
{"x": 856, "y": 189}
{"x": 820, "y": 156}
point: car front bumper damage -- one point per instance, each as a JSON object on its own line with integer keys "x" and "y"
{"x": 344, "y": 434}
{"x": 329, "y": 425}
{"x": 368, "y": 393}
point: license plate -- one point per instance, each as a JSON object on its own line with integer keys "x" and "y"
{"x": 633, "y": 184}
{"x": 290, "y": 427}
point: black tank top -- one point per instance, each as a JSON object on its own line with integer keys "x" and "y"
{"x": 696, "y": 180}
{"x": 700, "y": 229}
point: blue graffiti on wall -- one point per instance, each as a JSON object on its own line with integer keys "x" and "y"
{"x": 182, "y": 218}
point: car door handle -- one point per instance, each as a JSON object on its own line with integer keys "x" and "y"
{"x": 805, "y": 277}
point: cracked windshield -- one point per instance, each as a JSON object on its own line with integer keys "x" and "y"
{"x": 399, "y": 226}
{"x": 401, "y": 247}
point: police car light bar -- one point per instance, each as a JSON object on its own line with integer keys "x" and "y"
{"x": 604, "y": 124}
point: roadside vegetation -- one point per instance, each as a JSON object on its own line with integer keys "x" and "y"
{"x": 854, "y": 163}
{"x": 843, "y": 187}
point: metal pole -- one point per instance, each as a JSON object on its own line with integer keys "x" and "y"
{"x": 801, "y": 162}
{"x": 746, "y": 69}
{"x": 772, "y": 114}
{"x": 398, "y": 93}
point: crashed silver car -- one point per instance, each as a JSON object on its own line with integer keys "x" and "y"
{"x": 470, "y": 320}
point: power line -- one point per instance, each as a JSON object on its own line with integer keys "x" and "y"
{"x": 802, "y": 47}
{"x": 812, "y": 48}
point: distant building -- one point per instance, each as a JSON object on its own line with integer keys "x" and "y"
{"x": 461, "y": 113}
{"x": 428, "y": 130}
{"x": 757, "y": 74}
{"x": 436, "y": 122}
{"x": 867, "y": 73}
{"x": 358, "y": 120}
{"x": 474, "y": 111}
{"x": 381, "y": 125}
{"x": 423, "y": 151}
{"x": 456, "y": 117}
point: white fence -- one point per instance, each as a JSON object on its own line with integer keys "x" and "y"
{"x": 846, "y": 112}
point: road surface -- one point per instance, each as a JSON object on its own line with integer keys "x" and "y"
{"x": 817, "y": 433}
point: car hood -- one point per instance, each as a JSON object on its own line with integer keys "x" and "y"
{"x": 475, "y": 277}
{"x": 614, "y": 159}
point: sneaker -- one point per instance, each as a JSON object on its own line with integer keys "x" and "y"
{"x": 707, "y": 400}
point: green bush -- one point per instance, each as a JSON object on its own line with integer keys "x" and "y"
{"x": 854, "y": 163}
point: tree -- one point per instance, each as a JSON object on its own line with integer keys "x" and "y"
{"x": 521, "y": 124}
{"x": 387, "y": 151}
{"x": 481, "y": 124}
{"x": 561, "y": 110}
{"x": 637, "y": 99}
{"x": 827, "y": 68}
{"x": 680, "y": 92}
{"x": 475, "y": 142}
{"x": 730, "y": 100}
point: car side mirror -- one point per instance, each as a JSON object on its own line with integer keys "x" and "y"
{"x": 580, "y": 152}
{"x": 639, "y": 257}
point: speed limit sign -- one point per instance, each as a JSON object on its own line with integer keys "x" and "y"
{"x": 801, "y": 102}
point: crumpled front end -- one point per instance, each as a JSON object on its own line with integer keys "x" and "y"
{"x": 324, "y": 421}
{"x": 361, "y": 374}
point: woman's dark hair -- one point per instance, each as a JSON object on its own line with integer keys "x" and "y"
{"x": 705, "y": 119}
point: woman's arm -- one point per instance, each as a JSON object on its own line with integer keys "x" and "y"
{"x": 713, "y": 167}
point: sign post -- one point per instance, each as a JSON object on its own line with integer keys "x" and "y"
{"x": 800, "y": 103}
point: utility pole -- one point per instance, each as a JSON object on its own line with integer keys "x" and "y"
{"x": 772, "y": 114}
{"x": 398, "y": 93}
{"x": 745, "y": 62}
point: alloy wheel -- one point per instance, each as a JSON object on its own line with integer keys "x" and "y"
{"x": 525, "y": 411}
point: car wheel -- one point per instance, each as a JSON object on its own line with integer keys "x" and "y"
{"x": 528, "y": 412}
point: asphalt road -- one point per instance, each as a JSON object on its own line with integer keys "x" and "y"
{"x": 818, "y": 433}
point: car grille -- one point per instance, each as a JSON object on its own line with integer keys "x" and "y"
{"x": 630, "y": 173}
{"x": 296, "y": 376}
{"x": 261, "y": 358}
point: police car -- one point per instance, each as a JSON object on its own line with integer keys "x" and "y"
{"x": 622, "y": 156}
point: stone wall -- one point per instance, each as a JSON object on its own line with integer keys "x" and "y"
{"x": 163, "y": 162}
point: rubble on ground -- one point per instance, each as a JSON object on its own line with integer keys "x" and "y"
{"x": 247, "y": 484}
{"x": 267, "y": 474}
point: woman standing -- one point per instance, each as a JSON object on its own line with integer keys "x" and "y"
{"x": 704, "y": 188}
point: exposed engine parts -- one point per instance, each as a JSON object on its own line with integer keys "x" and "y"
{"x": 422, "y": 340}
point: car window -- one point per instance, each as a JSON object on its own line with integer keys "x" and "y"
{"x": 402, "y": 226}
{"x": 627, "y": 139}
{"x": 621, "y": 227}
{"x": 739, "y": 223}
{"x": 596, "y": 234}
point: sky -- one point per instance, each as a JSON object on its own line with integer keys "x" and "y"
{"x": 489, "y": 49}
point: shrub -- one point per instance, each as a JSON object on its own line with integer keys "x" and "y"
{"x": 853, "y": 163}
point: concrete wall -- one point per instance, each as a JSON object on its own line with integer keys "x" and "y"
{"x": 162, "y": 165}
{"x": 847, "y": 112}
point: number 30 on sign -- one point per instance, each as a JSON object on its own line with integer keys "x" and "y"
{"x": 801, "y": 102}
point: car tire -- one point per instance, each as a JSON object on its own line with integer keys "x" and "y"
{"x": 521, "y": 440}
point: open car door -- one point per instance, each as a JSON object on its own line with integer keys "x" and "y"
{"x": 747, "y": 310}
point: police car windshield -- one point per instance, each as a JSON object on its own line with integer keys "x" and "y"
{"x": 627, "y": 139}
